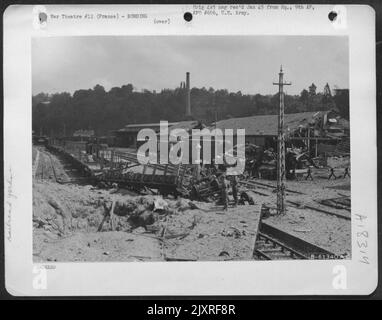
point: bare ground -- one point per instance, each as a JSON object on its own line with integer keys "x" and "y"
{"x": 66, "y": 218}
{"x": 324, "y": 230}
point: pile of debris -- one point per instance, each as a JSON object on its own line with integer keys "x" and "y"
{"x": 141, "y": 213}
{"x": 185, "y": 230}
{"x": 61, "y": 209}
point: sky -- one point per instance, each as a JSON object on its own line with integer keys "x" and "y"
{"x": 249, "y": 64}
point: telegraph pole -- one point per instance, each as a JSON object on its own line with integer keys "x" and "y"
{"x": 215, "y": 109}
{"x": 281, "y": 146}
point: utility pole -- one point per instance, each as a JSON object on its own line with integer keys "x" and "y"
{"x": 215, "y": 109}
{"x": 281, "y": 146}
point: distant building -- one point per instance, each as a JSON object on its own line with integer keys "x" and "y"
{"x": 187, "y": 125}
{"x": 84, "y": 133}
{"x": 306, "y": 129}
{"x": 315, "y": 131}
{"x": 127, "y": 136}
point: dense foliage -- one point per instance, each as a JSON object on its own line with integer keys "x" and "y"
{"x": 104, "y": 111}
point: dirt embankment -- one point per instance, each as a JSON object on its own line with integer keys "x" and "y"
{"x": 64, "y": 208}
{"x": 67, "y": 220}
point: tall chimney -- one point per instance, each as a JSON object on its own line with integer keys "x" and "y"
{"x": 188, "y": 98}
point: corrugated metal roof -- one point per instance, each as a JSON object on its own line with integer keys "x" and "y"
{"x": 134, "y": 127}
{"x": 266, "y": 125}
{"x": 187, "y": 125}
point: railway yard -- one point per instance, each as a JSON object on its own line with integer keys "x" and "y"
{"x": 77, "y": 216}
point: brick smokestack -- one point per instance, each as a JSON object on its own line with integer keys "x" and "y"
{"x": 188, "y": 96}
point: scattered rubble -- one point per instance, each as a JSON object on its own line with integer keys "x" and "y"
{"x": 74, "y": 222}
{"x": 68, "y": 210}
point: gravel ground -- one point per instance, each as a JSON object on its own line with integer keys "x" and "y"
{"x": 95, "y": 247}
{"x": 204, "y": 233}
{"x": 66, "y": 218}
{"x": 324, "y": 230}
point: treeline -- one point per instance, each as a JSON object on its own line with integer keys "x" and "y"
{"x": 103, "y": 111}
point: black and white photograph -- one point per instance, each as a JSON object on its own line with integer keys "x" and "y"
{"x": 190, "y": 150}
{"x": 93, "y": 200}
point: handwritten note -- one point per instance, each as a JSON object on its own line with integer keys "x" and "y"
{"x": 10, "y": 198}
{"x": 362, "y": 237}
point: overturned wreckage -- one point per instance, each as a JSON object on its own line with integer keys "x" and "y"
{"x": 107, "y": 167}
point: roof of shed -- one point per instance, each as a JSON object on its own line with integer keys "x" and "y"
{"x": 135, "y": 127}
{"x": 266, "y": 125}
{"x": 187, "y": 125}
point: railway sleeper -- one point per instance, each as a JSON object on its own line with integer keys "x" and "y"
{"x": 277, "y": 254}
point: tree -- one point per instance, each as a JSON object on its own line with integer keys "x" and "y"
{"x": 304, "y": 96}
{"x": 99, "y": 90}
{"x": 127, "y": 89}
{"x": 327, "y": 91}
{"x": 312, "y": 89}
{"x": 341, "y": 100}
{"x": 105, "y": 111}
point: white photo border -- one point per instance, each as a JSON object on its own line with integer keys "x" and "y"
{"x": 189, "y": 278}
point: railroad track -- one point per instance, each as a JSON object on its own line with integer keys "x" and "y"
{"x": 268, "y": 248}
{"x": 275, "y": 244}
{"x": 53, "y": 168}
{"x": 255, "y": 184}
{"x": 35, "y": 164}
{"x": 42, "y": 174}
{"x": 343, "y": 202}
{"x": 39, "y": 171}
{"x": 312, "y": 207}
{"x": 254, "y": 188}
